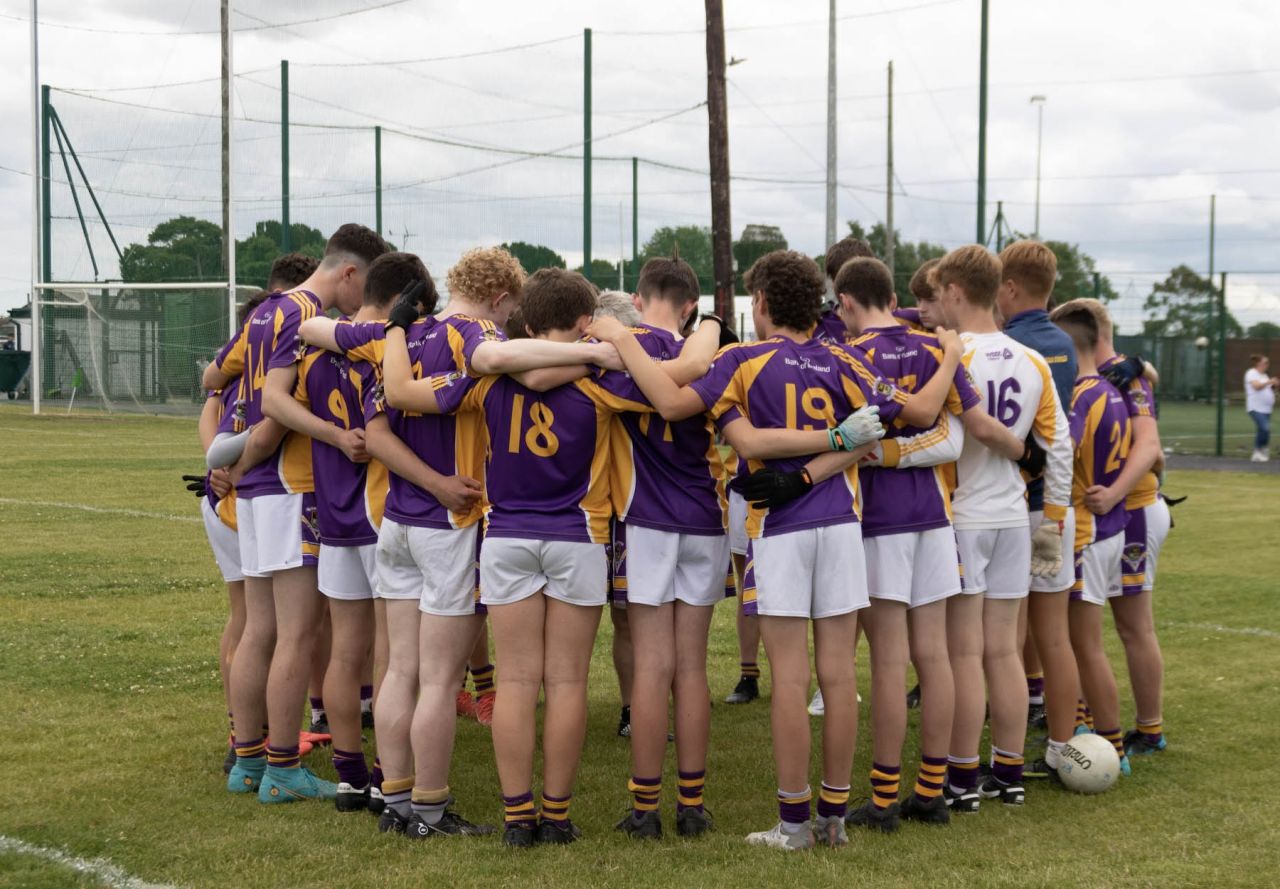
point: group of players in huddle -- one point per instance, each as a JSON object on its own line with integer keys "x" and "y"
{"x": 968, "y": 482}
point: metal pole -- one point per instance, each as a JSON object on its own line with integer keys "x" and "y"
{"x": 285, "y": 245}
{"x": 1213, "y": 212}
{"x": 718, "y": 148}
{"x": 1038, "y": 101}
{"x": 586, "y": 152}
{"x": 1222, "y": 358}
{"x": 635, "y": 214}
{"x": 228, "y": 220}
{"x": 39, "y": 176}
{"x": 46, "y": 206}
{"x": 831, "y": 122}
{"x": 888, "y": 187}
{"x": 64, "y": 138}
{"x": 377, "y": 176}
{"x": 982, "y": 130}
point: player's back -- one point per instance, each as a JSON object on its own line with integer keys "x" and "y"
{"x": 1010, "y": 379}
{"x": 1102, "y": 434}
{"x": 1140, "y": 400}
{"x": 913, "y": 499}
{"x": 667, "y": 475}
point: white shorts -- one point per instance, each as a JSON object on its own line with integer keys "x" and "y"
{"x": 813, "y": 573}
{"x": 513, "y": 569}
{"x": 737, "y": 524}
{"x": 224, "y": 542}
{"x": 1143, "y": 537}
{"x": 914, "y": 567}
{"x": 666, "y": 566}
{"x": 997, "y": 561}
{"x": 347, "y": 572}
{"x": 1066, "y": 575}
{"x": 436, "y": 566}
{"x": 277, "y": 532}
{"x": 1098, "y": 571}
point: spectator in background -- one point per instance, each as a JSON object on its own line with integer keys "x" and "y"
{"x": 1259, "y": 400}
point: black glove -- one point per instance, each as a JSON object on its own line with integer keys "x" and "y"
{"x": 727, "y": 336}
{"x": 1125, "y": 372}
{"x": 408, "y": 308}
{"x": 196, "y": 485}
{"x": 769, "y": 488}
{"x": 1032, "y": 460}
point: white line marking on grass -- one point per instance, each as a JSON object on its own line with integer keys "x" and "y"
{"x": 108, "y": 510}
{"x": 104, "y": 872}
{"x": 1218, "y": 628}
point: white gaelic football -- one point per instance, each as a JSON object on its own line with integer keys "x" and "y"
{"x": 1089, "y": 764}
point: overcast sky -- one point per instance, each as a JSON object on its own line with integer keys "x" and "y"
{"x": 1148, "y": 112}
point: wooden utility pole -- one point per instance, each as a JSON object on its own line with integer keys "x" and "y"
{"x": 831, "y": 124}
{"x": 889, "y": 246}
{"x": 718, "y": 143}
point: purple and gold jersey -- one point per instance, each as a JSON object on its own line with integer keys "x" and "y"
{"x": 1101, "y": 433}
{"x": 895, "y": 501}
{"x": 781, "y": 384}
{"x": 223, "y": 507}
{"x": 1139, "y": 401}
{"x": 451, "y": 445}
{"x": 831, "y": 328}
{"x": 910, "y": 316}
{"x": 668, "y": 476}
{"x": 269, "y": 340}
{"x": 351, "y": 496}
{"x": 548, "y": 469}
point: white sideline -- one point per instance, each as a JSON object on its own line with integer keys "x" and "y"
{"x": 1219, "y": 628}
{"x": 104, "y": 872}
{"x": 135, "y": 513}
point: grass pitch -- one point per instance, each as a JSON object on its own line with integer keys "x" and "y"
{"x": 110, "y": 610}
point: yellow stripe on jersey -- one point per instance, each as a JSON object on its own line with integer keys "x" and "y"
{"x": 233, "y": 362}
{"x": 295, "y": 464}
{"x": 605, "y": 399}
{"x": 744, "y": 376}
{"x": 226, "y": 510}
{"x": 596, "y": 504}
{"x": 622, "y": 477}
{"x": 456, "y": 346}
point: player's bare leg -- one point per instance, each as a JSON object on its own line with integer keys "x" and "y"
{"x": 653, "y": 634}
{"x": 1006, "y": 683}
{"x": 352, "y": 623}
{"x": 381, "y": 654}
{"x": 569, "y": 633}
{"x": 837, "y": 678}
{"x": 964, "y": 645}
{"x": 691, "y": 690}
{"x": 231, "y": 633}
{"x": 624, "y": 662}
{"x": 320, "y": 653}
{"x": 518, "y": 644}
{"x": 1048, "y": 622}
{"x": 1135, "y": 624}
{"x": 927, "y": 635}
{"x": 393, "y": 716}
{"x": 885, "y": 623}
{"x": 786, "y": 643}
{"x": 249, "y": 671}
{"x": 1096, "y": 676}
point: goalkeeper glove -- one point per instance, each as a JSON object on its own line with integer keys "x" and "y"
{"x": 860, "y": 427}
{"x": 407, "y": 309}
{"x": 1125, "y": 372}
{"x": 196, "y": 485}
{"x": 769, "y": 488}
{"x": 1032, "y": 460}
{"x": 1046, "y": 549}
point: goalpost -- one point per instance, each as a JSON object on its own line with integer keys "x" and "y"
{"x": 128, "y": 347}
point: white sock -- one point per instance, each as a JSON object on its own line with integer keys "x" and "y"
{"x": 1053, "y": 754}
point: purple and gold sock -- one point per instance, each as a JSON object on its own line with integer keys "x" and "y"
{"x": 884, "y": 784}
{"x": 1006, "y": 766}
{"x": 793, "y": 807}
{"x": 750, "y": 670}
{"x": 1117, "y": 740}
{"x": 482, "y": 680}
{"x": 519, "y": 809}
{"x": 1035, "y": 687}
{"x": 645, "y": 793}
{"x": 283, "y": 757}
{"x": 351, "y": 767}
{"x": 254, "y": 749}
{"x": 689, "y": 791}
{"x": 366, "y": 698}
{"x": 1152, "y": 730}
{"x": 556, "y": 808}
{"x": 962, "y": 773}
{"x": 833, "y": 802}
{"x": 930, "y": 778}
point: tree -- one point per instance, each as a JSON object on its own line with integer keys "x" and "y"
{"x": 604, "y": 274}
{"x": 256, "y": 253}
{"x": 1183, "y": 304}
{"x": 907, "y": 255}
{"x": 756, "y": 241}
{"x": 1265, "y": 330}
{"x": 694, "y": 244}
{"x": 535, "y": 256}
{"x": 179, "y": 249}
{"x": 1077, "y": 275}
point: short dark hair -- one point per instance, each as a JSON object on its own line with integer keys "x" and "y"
{"x": 515, "y": 326}
{"x": 391, "y": 273}
{"x": 1080, "y": 323}
{"x": 671, "y": 280}
{"x": 290, "y": 270}
{"x": 867, "y": 281}
{"x": 356, "y": 241}
{"x": 793, "y": 288}
{"x": 554, "y": 299}
{"x": 250, "y": 304}
{"x": 921, "y": 285}
{"x": 844, "y": 250}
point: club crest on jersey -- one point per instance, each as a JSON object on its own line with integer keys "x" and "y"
{"x": 242, "y": 409}
{"x": 1133, "y": 556}
{"x": 884, "y": 388}
{"x": 299, "y": 350}
{"x": 1139, "y": 398}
